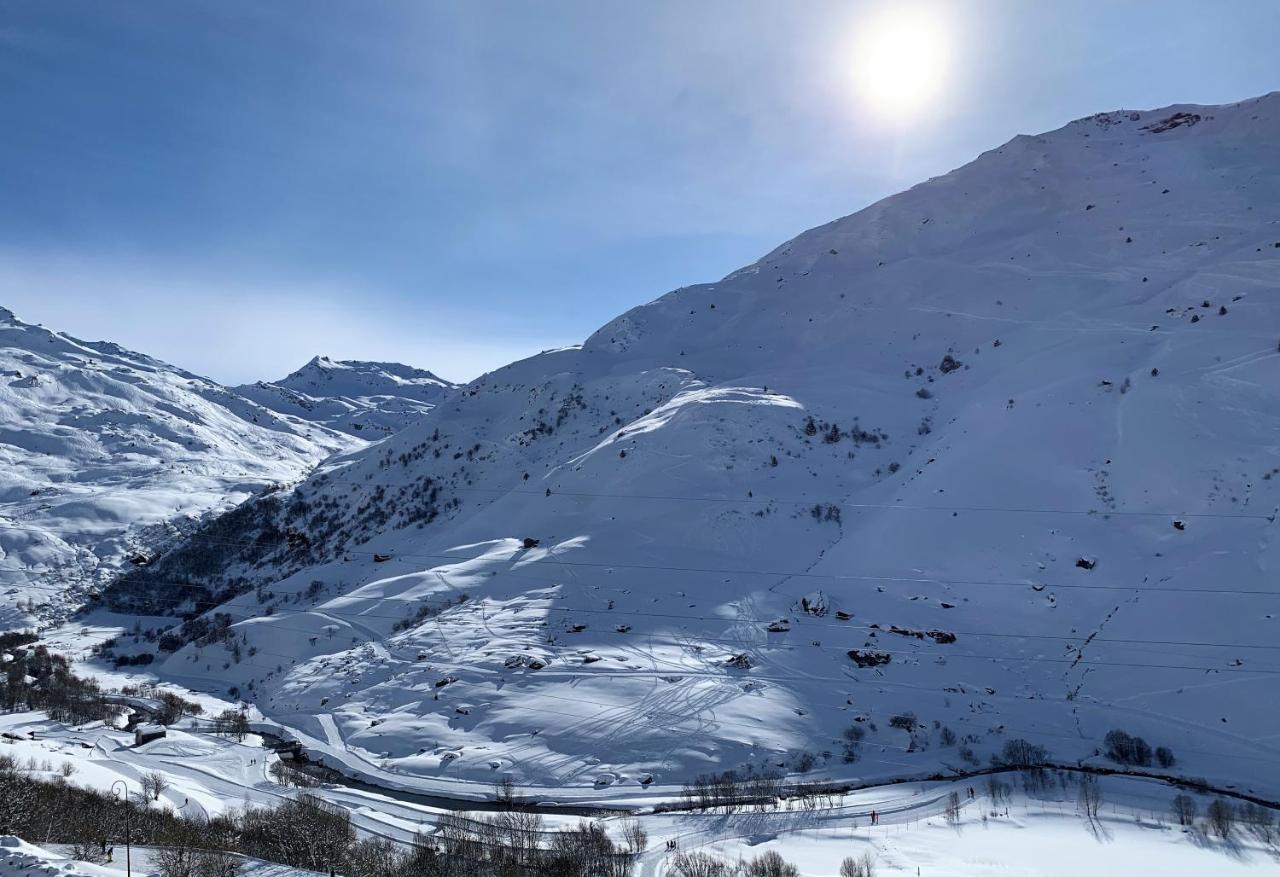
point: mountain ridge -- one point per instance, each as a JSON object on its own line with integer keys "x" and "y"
{"x": 364, "y": 399}
{"x": 110, "y": 454}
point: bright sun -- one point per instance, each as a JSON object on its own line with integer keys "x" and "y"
{"x": 901, "y": 61}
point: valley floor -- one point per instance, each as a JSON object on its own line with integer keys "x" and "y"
{"x": 1021, "y": 833}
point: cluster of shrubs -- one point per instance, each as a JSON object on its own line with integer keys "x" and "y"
{"x": 1030, "y": 759}
{"x": 853, "y": 742}
{"x": 768, "y": 864}
{"x": 425, "y": 611}
{"x": 1222, "y": 817}
{"x": 1124, "y": 748}
{"x": 304, "y": 832}
{"x": 827, "y": 512}
{"x": 732, "y": 790}
{"x": 832, "y": 433}
{"x": 36, "y": 679}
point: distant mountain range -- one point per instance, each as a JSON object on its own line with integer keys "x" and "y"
{"x": 107, "y": 455}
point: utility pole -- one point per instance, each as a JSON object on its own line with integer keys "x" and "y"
{"x": 123, "y": 794}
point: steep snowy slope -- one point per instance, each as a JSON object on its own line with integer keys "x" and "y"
{"x": 993, "y": 456}
{"x": 104, "y": 452}
{"x": 366, "y": 399}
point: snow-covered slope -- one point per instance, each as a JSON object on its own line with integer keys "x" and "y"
{"x": 366, "y": 399}
{"x": 106, "y": 453}
{"x": 997, "y": 452}
{"x": 21, "y": 859}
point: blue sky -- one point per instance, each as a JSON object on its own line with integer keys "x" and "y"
{"x": 236, "y": 186}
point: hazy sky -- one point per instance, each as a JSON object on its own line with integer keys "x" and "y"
{"x": 236, "y": 186}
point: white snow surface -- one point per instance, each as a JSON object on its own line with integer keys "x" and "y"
{"x": 1042, "y": 834}
{"x": 1043, "y": 392}
{"x": 21, "y": 859}
{"x": 106, "y": 454}
{"x": 369, "y": 400}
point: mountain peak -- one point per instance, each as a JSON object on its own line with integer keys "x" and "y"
{"x": 365, "y": 399}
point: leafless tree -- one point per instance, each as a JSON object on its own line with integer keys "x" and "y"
{"x": 953, "y": 809}
{"x": 1184, "y": 807}
{"x": 231, "y": 723}
{"x": 374, "y": 857}
{"x": 279, "y": 773}
{"x": 88, "y": 851}
{"x": 504, "y": 792}
{"x": 637, "y": 839}
{"x": 860, "y": 867}
{"x": 217, "y": 864}
{"x": 174, "y": 861}
{"x": 153, "y": 785}
{"x": 770, "y": 864}
{"x": 1221, "y": 817}
{"x": 1259, "y": 820}
{"x": 1090, "y": 797}
{"x": 697, "y": 864}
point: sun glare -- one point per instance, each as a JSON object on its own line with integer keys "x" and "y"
{"x": 901, "y": 61}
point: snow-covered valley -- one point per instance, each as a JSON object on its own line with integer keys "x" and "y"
{"x": 107, "y": 456}
{"x": 984, "y": 471}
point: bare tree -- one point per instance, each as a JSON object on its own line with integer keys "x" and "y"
{"x": 88, "y": 851}
{"x": 771, "y": 864}
{"x": 374, "y": 857}
{"x": 1090, "y": 799}
{"x": 696, "y": 864}
{"x": 1221, "y": 817}
{"x": 1184, "y": 807}
{"x": 860, "y": 867}
{"x": 174, "y": 861}
{"x": 952, "y": 812}
{"x": 153, "y": 785}
{"x": 1259, "y": 820}
{"x": 279, "y": 772}
{"x": 231, "y": 723}
{"x": 17, "y": 796}
{"x": 217, "y": 864}
{"x": 504, "y": 792}
{"x": 519, "y": 834}
{"x": 637, "y": 839}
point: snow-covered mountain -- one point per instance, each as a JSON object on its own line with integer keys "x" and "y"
{"x": 365, "y": 399}
{"x": 992, "y": 458}
{"x": 106, "y": 454}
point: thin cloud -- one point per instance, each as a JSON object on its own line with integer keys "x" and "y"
{"x": 236, "y": 330}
